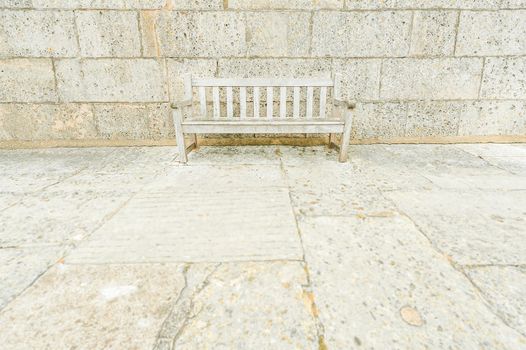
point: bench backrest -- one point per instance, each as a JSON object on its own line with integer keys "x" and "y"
{"x": 255, "y": 98}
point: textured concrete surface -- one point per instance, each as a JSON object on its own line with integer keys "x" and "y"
{"x": 91, "y": 72}
{"x": 267, "y": 247}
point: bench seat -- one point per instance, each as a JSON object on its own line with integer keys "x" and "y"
{"x": 262, "y": 127}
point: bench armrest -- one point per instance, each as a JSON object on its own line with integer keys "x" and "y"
{"x": 180, "y": 104}
{"x": 345, "y": 104}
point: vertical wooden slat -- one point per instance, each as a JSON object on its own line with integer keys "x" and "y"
{"x": 229, "y": 103}
{"x": 217, "y": 106}
{"x": 310, "y": 102}
{"x": 202, "y": 101}
{"x": 256, "y": 102}
{"x": 296, "y": 102}
{"x": 283, "y": 102}
{"x": 270, "y": 101}
{"x": 336, "y": 92}
{"x": 243, "y": 102}
{"x": 187, "y": 79}
{"x": 323, "y": 101}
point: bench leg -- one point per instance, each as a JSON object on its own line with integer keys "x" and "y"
{"x": 346, "y": 137}
{"x": 179, "y": 136}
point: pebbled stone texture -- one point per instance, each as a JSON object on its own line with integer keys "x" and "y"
{"x": 491, "y": 33}
{"x": 37, "y": 34}
{"x": 108, "y": 34}
{"x": 434, "y": 79}
{"x": 27, "y": 80}
{"x": 111, "y": 80}
{"x": 366, "y": 34}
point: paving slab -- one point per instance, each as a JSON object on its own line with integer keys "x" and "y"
{"x": 56, "y": 217}
{"x": 299, "y": 156}
{"x": 92, "y": 307}
{"x": 234, "y": 155}
{"x": 205, "y": 178}
{"x": 471, "y": 227}
{"x": 378, "y": 283}
{"x": 136, "y": 160}
{"x": 334, "y": 189}
{"x": 514, "y": 165}
{"x": 244, "y": 306}
{"x": 503, "y": 287}
{"x": 204, "y": 226}
{"x": 20, "y": 267}
{"x": 439, "y": 160}
{"x": 239, "y": 212}
{"x": 495, "y": 150}
{"x": 500, "y": 182}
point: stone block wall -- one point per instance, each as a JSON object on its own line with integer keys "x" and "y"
{"x": 84, "y": 70}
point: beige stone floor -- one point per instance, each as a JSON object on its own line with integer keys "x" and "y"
{"x": 404, "y": 247}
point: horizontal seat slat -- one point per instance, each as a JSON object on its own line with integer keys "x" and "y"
{"x": 222, "y": 82}
{"x": 263, "y": 127}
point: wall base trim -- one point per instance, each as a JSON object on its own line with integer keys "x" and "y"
{"x": 256, "y": 141}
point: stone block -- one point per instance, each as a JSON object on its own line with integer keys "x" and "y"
{"x": 111, "y": 80}
{"x": 433, "y": 33}
{"x": 285, "y": 4}
{"x": 196, "y": 4}
{"x": 274, "y": 67}
{"x": 101, "y": 4}
{"x": 203, "y": 68}
{"x": 133, "y": 121}
{"x": 47, "y": 121}
{"x": 193, "y": 34}
{"x": 513, "y": 4}
{"x": 278, "y": 33}
{"x": 379, "y": 120}
{"x": 360, "y": 78}
{"x": 446, "y": 78}
{"x": 421, "y": 4}
{"x": 15, "y": 3}
{"x": 433, "y": 118}
{"x": 504, "y": 78}
{"x": 37, "y": 33}
{"x": 492, "y": 33}
{"x": 493, "y": 118}
{"x": 27, "y": 80}
{"x": 108, "y": 33}
{"x": 361, "y": 34}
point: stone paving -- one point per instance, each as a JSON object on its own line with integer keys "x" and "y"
{"x": 274, "y": 247}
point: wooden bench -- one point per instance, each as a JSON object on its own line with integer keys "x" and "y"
{"x": 256, "y": 111}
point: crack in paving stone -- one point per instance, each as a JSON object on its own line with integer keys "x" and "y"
{"x": 308, "y": 293}
{"x": 181, "y": 312}
{"x": 456, "y": 267}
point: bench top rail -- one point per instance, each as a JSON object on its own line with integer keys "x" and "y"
{"x": 261, "y": 82}
{"x": 261, "y": 98}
